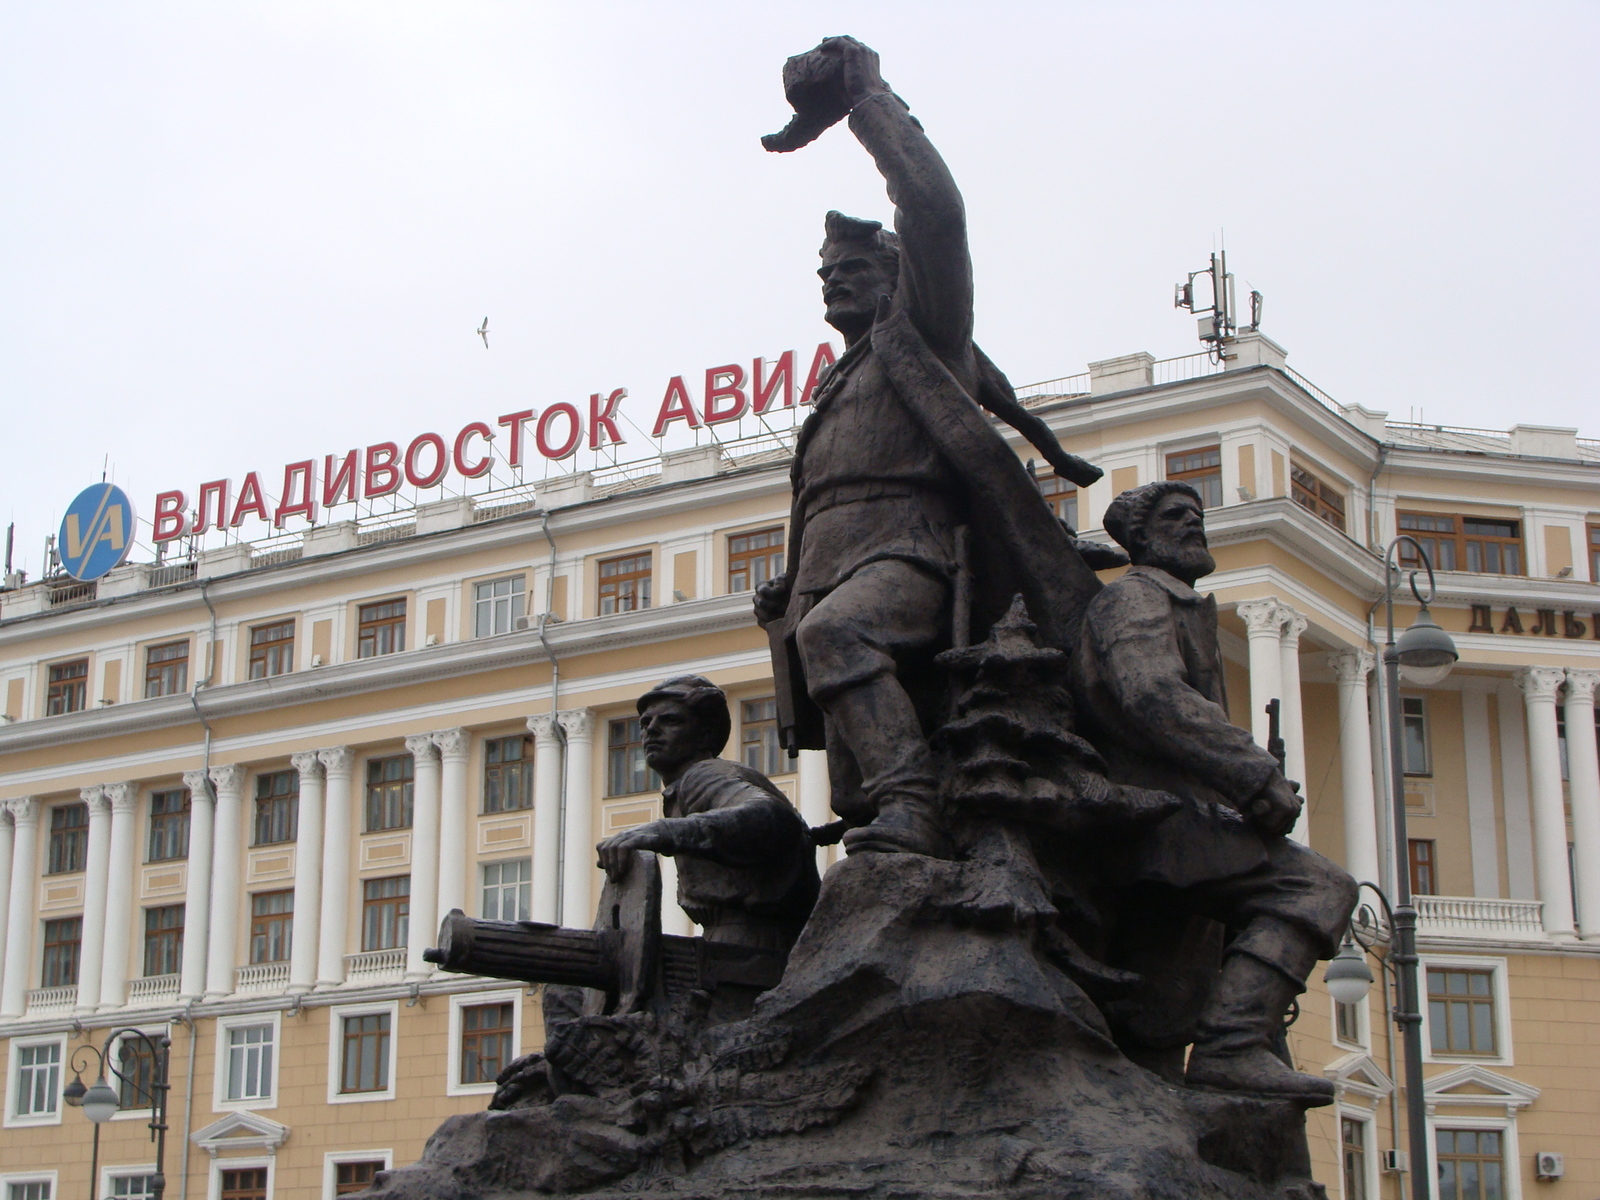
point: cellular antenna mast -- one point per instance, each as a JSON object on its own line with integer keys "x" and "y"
{"x": 1218, "y": 322}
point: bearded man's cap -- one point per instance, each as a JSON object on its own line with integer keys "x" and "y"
{"x": 841, "y": 230}
{"x": 706, "y": 702}
{"x": 1128, "y": 512}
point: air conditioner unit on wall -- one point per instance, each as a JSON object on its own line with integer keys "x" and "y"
{"x": 1393, "y": 1160}
{"x": 1547, "y": 1167}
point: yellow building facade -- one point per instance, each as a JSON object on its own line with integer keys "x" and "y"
{"x": 240, "y": 790}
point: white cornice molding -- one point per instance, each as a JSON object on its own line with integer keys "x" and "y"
{"x": 243, "y": 1130}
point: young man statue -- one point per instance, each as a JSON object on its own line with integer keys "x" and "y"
{"x": 1149, "y": 685}
{"x": 747, "y": 865}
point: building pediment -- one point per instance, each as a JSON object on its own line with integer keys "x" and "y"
{"x": 245, "y": 1131}
{"x": 1479, "y": 1087}
{"x": 1356, "y": 1074}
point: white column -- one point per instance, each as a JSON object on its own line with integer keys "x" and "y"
{"x": 122, "y": 909}
{"x": 1539, "y": 686}
{"x": 92, "y": 949}
{"x": 577, "y": 836}
{"x": 1262, "y": 621}
{"x": 424, "y": 853}
{"x": 307, "y": 873}
{"x": 1583, "y": 770}
{"x": 546, "y": 903}
{"x": 197, "y": 893}
{"x": 455, "y": 745}
{"x": 19, "y": 913}
{"x": 1292, "y": 719}
{"x": 815, "y": 794}
{"x": 1351, "y": 667}
{"x": 338, "y": 762}
{"x": 8, "y": 839}
{"x": 227, "y": 880}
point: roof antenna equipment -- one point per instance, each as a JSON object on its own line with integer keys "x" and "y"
{"x": 1218, "y": 321}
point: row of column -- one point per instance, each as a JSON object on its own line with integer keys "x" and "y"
{"x": 1274, "y": 630}
{"x": 1559, "y": 877}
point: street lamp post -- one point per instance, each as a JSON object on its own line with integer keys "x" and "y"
{"x": 100, "y": 1102}
{"x": 1425, "y": 654}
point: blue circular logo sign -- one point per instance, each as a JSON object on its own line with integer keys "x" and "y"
{"x": 97, "y": 532}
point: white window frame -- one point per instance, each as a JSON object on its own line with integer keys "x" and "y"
{"x": 1363, "y": 1009}
{"x": 219, "y": 1086}
{"x": 155, "y": 1033}
{"x": 13, "y": 1068}
{"x": 336, "y": 1018}
{"x": 1342, "y": 1111}
{"x": 1499, "y": 986}
{"x": 526, "y": 883}
{"x": 1427, "y": 734}
{"x": 108, "y": 1173}
{"x": 460, "y": 1000}
{"x": 219, "y": 1165}
{"x": 509, "y": 599}
{"x": 1510, "y": 1154}
{"x": 50, "y": 1177}
{"x": 332, "y": 1159}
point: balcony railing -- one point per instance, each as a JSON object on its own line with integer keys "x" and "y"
{"x": 153, "y": 989}
{"x": 1480, "y": 917}
{"x": 52, "y": 999}
{"x": 373, "y": 966}
{"x": 261, "y": 977}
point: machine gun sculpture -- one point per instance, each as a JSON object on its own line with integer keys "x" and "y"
{"x": 625, "y": 963}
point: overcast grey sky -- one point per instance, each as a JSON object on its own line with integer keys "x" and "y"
{"x": 238, "y": 235}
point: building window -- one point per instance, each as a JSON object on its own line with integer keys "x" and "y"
{"x": 69, "y": 688}
{"x": 244, "y": 1183}
{"x": 624, "y": 584}
{"x": 1414, "y": 736}
{"x": 507, "y": 889}
{"x": 381, "y": 628}
{"x": 1201, "y": 470}
{"x": 271, "y": 649}
{"x": 277, "y": 807}
{"x": 1461, "y": 1016}
{"x": 485, "y": 1041}
{"x": 249, "y": 1065}
{"x": 507, "y": 774}
{"x": 63, "y": 940}
{"x": 1483, "y": 544}
{"x": 271, "y": 926}
{"x": 37, "y": 1189}
{"x": 1594, "y": 554}
{"x": 758, "y": 737}
{"x": 1061, "y": 498}
{"x": 169, "y": 825}
{"x": 352, "y": 1177}
{"x": 385, "y": 912}
{"x": 69, "y": 837}
{"x": 1347, "y": 1023}
{"x": 626, "y": 770}
{"x": 1316, "y": 496}
{"x": 166, "y": 669}
{"x": 38, "y": 1085}
{"x": 389, "y": 793}
{"x": 364, "y": 1057}
{"x": 163, "y": 940}
{"x": 497, "y": 604}
{"x": 1353, "y": 1152}
{"x": 754, "y": 558}
{"x": 131, "y": 1187}
{"x": 1471, "y": 1164}
{"x": 1423, "y": 854}
{"x": 137, "y": 1062}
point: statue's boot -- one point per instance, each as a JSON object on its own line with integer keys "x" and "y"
{"x": 906, "y": 823}
{"x": 879, "y": 723}
{"x": 1264, "y": 971}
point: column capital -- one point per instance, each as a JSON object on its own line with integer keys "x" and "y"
{"x": 196, "y": 781}
{"x": 1293, "y": 624}
{"x": 1581, "y": 684}
{"x": 95, "y": 797}
{"x": 307, "y": 763}
{"x": 1540, "y": 683}
{"x": 543, "y": 727}
{"x": 422, "y": 748}
{"x": 123, "y": 796}
{"x": 1261, "y": 616}
{"x": 338, "y": 760}
{"x": 229, "y": 779}
{"x": 453, "y": 743}
{"x": 578, "y": 723}
{"x": 1351, "y": 666}
{"x": 24, "y": 810}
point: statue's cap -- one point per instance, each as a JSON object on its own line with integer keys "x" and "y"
{"x": 705, "y": 701}
{"x": 1129, "y": 511}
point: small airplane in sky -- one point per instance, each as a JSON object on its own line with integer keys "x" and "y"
{"x": 483, "y": 332}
